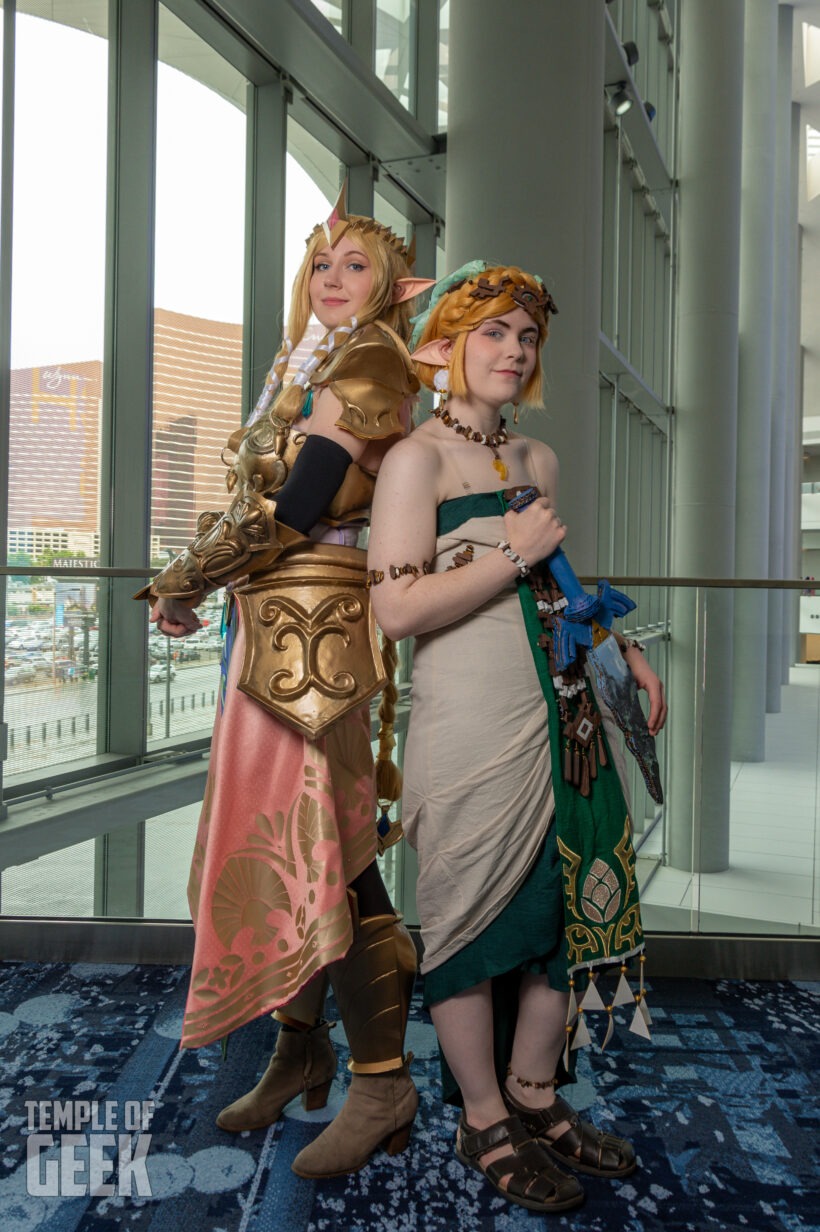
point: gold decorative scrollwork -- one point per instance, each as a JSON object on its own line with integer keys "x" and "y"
{"x": 311, "y": 651}
{"x": 309, "y": 629}
{"x": 571, "y": 864}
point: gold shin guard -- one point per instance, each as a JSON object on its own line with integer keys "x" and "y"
{"x": 373, "y": 985}
{"x": 306, "y": 1008}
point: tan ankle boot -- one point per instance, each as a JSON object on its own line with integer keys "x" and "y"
{"x": 373, "y": 984}
{"x": 303, "y": 1060}
{"x": 378, "y": 1112}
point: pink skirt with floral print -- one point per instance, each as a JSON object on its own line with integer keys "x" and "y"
{"x": 286, "y": 824}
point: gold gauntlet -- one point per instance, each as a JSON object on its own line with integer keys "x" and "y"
{"x": 240, "y": 542}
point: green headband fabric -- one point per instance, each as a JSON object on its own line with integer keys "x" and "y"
{"x": 468, "y": 270}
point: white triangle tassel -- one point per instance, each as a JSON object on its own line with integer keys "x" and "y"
{"x": 623, "y": 993}
{"x": 638, "y": 1024}
{"x": 592, "y": 998}
{"x": 582, "y": 1036}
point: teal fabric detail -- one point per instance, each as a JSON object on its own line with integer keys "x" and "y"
{"x": 453, "y": 513}
{"x": 527, "y": 936}
{"x": 468, "y": 270}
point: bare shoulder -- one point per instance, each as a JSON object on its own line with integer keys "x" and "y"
{"x": 545, "y": 461}
{"x": 416, "y": 453}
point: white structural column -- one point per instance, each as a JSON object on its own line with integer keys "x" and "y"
{"x": 703, "y": 538}
{"x": 524, "y": 187}
{"x": 794, "y": 413}
{"x": 780, "y": 345}
{"x": 754, "y": 393}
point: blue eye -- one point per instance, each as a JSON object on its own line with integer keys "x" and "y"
{"x": 321, "y": 265}
{"x": 356, "y": 266}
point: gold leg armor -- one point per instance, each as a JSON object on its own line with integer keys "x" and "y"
{"x": 306, "y": 1008}
{"x": 373, "y": 984}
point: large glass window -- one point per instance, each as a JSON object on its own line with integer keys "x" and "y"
{"x": 391, "y": 217}
{"x": 396, "y": 46}
{"x": 334, "y": 11}
{"x": 58, "y": 290}
{"x": 443, "y": 61}
{"x": 198, "y": 297}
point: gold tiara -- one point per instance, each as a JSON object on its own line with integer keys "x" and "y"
{"x": 337, "y": 222}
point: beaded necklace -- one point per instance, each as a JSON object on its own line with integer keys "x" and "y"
{"x": 492, "y": 439}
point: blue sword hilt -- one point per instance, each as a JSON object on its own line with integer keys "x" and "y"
{"x": 574, "y": 624}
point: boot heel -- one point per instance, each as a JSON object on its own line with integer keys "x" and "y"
{"x": 315, "y": 1097}
{"x": 397, "y": 1142}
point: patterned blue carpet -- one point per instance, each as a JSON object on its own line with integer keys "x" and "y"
{"x": 722, "y": 1107}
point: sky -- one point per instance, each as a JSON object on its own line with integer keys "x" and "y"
{"x": 58, "y": 275}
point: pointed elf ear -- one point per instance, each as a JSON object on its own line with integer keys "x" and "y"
{"x": 408, "y": 288}
{"x": 437, "y": 353}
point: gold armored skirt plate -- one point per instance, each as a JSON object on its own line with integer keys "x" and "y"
{"x": 311, "y": 649}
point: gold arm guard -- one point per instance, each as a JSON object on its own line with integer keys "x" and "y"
{"x": 311, "y": 650}
{"x": 244, "y": 540}
{"x": 371, "y": 375}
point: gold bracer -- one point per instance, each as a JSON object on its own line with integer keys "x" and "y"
{"x": 372, "y": 376}
{"x": 244, "y": 540}
{"x": 311, "y": 650}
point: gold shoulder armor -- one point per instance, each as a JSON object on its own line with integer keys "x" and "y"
{"x": 372, "y": 376}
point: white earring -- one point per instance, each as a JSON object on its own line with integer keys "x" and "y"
{"x": 441, "y": 380}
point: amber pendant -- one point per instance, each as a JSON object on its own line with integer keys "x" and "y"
{"x": 500, "y": 467}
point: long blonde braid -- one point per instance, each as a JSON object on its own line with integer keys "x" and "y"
{"x": 388, "y": 775}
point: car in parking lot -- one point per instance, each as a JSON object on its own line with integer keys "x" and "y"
{"x": 186, "y": 652}
{"x": 22, "y": 673}
{"x": 161, "y": 671}
{"x": 40, "y": 662}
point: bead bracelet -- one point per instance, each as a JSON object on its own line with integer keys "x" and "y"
{"x": 519, "y": 562}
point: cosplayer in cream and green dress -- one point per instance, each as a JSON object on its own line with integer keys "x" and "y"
{"x": 512, "y": 795}
{"x": 284, "y": 889}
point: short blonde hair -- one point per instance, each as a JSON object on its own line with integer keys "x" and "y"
{"x": 459, "y": 311}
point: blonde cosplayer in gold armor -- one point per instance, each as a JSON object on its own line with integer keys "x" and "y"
{"x": 284, "y": 889}
{"x": 311, "y": 651}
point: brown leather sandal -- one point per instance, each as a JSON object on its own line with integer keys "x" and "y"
{"x": 533, "y": 1180}
{"x": 581, "y": 1147}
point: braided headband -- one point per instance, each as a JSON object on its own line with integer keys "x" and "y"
{"x": 535, "y": 303}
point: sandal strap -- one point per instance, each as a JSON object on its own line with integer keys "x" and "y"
{"x": 508, "y": 1132}
{"x": 581, "y": 1141}
{"x": 529, "y": 1171}
{"x": 594, "y": 1146}
{"x": 591, "y": 1146}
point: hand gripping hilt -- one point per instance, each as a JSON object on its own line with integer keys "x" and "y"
{"x": 573, "y": 627}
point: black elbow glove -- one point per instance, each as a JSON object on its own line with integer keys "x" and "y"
{"x": 314, "y": 480}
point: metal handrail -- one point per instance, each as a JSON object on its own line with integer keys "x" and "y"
{"x": 98, "y": 571}
{"x": 708, "y": 583}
